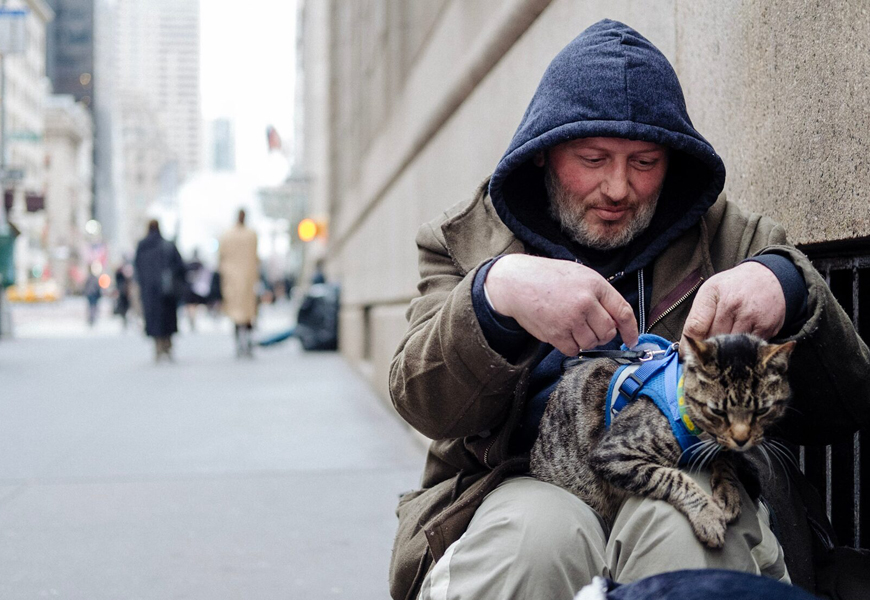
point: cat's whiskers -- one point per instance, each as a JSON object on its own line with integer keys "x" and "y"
{"x": 784, "y": 451}
{"x": 777, "y": 454}
{"x": 706, "y": 454}
{"x": 711, "y": 456}
{"x": 697, "y": 450}
{"x": 766, "y": 456}
{"x": 790, "y": 407}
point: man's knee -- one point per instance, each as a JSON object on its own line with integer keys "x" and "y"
{"x": 651, "y": 536}
{"x": 541, "y": 523}
{"x": 527, "y": 537}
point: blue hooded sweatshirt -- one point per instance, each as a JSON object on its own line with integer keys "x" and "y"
{"x": 609, "y": 81}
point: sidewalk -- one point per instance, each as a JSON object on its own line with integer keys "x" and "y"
{"x": 210, "y": 478}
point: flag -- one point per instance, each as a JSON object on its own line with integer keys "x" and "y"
{"x": 273, "y": 139}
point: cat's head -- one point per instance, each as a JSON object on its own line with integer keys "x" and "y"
{"x": 736, "y": 387}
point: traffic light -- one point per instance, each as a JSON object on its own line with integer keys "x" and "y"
{"x": 310, "y": 229}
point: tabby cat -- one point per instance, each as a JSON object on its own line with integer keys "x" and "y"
{"x": 735, "y": 388}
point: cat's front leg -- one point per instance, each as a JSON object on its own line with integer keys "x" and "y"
{"x": 637, "y": 467}
{"x": 638, "y": 473}
{"x": 725, "y": 486}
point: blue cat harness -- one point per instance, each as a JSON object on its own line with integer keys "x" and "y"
{"x": 659, "y": 378}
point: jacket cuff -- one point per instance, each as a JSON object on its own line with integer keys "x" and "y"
{"x": 502, "y": 333}
{"x": 794, "y": 288}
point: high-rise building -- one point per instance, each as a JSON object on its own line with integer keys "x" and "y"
{"x": 148, "y": 109}
{"x": 223, "y": 145}
{"x": 158, "y": 59}
{"x": 69, "y": 45}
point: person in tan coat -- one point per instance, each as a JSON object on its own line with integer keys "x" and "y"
{"x": 605, "y": 218}
{"x": 239, "y": 272}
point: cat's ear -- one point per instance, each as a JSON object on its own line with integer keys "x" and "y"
{"x": 779, "y": 353}
{"x": 702, "y": 350}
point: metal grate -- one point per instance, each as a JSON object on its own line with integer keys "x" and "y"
{"x": 837, "y": 471}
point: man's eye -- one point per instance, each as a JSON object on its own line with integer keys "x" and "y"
{"x": 645, "y": 164}
{"x": 592, "y": 159}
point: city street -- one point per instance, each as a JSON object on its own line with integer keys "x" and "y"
{"x": 209, "y": 478}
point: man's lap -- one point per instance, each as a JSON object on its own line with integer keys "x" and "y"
{"x": 530, "y": 538}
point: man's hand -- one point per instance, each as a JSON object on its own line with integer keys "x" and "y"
{"x": 560, "y": 303}
{"x": 745, "y": 299}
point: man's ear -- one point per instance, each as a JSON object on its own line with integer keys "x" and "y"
{"x": 539, "y": 158}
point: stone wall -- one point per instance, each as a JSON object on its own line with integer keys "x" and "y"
{"x": 424, "y": 102}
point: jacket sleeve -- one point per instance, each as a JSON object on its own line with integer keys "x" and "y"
{"x": 829, "y": 371}
{"x": 445, "y": 379}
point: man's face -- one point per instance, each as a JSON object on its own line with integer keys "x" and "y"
{"x": 603, "y": 191}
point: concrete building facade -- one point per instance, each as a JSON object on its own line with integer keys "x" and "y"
{"x": 69, "y": 163}
{"x": 409, "y": 107}
{"x": 24, "y": 105}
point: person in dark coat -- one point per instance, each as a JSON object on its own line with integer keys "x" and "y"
{"x": 123, "y": 285}
{"x": 160, "y": 273}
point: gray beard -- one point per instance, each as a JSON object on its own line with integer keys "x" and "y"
{"x": 571, "y": 216}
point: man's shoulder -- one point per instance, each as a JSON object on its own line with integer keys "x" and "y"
{"x": 471, "y": 230}
{"x": 728, "y": 219}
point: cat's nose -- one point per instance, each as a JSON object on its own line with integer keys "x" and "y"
{"x": 740, "y": 433}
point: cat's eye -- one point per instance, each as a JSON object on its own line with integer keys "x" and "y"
{"x": 717, "y": 412}
{"x": 762, "y": 411}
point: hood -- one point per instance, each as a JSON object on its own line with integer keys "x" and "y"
{"x": 609, "y": 81}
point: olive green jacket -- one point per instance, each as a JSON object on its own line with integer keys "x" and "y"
{"x": 448, "y": 383}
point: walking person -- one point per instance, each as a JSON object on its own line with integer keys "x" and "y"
{"x": 160, "y": 273}
{"x": 123, "y": 285}
{"x": 92, "y": 293}
{"x": 197, "y": 287}
{"x": 239, "y": 274}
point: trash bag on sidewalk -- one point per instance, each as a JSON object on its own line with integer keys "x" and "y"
{"x": 317, "y": 323}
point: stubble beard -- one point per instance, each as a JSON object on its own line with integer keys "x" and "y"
{"x": 570, "y": 213}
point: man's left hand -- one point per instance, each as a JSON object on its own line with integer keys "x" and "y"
{"x": 745, "y": 299}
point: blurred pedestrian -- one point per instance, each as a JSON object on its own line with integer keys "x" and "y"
{"x": 239, "y": 272}
{"x": 160, "y": 273}
{"x": 213, "y": 301}
{"x": 93, "y": 292}
{"x": 123, "y": 288}
{"x": 197, "y": 288}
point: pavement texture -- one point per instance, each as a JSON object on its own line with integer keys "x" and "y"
{"x": 209, "y": 478}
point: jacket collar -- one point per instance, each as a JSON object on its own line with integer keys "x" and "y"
{"x": 491, "y": 236}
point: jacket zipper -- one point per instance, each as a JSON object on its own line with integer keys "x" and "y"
{"x": 682, "y": 299}
{"x": 486, "y": 452}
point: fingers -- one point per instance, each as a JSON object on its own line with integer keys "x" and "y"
{"x": 620, "y": 313}
{"x": 735, "y": 301}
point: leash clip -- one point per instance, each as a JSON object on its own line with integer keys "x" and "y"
{"x": 649, "y": 355}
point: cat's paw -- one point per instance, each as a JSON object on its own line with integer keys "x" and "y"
{"x": 727, "y": 497}
{"x": 709, "y": 525}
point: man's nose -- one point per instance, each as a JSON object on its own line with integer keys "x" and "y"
{"x": 615, "y": 186}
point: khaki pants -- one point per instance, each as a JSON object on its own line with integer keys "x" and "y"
{"x": 531, "y": 539}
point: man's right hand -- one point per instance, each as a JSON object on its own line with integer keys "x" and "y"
{"x": 561, "y": 303}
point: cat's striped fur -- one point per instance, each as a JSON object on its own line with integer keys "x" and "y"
{"x": 736, "y": 388}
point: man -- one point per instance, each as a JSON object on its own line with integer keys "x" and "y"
{"x": 239, "y": 274}
{"x": 603, "y": 219}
